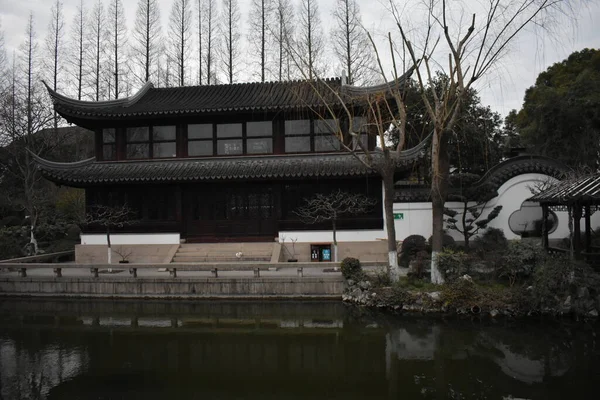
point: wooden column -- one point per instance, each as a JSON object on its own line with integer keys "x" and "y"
{"x": 545, "y": 226}
{"x": 577, "y": 230}
{"x": 588, "y": 229}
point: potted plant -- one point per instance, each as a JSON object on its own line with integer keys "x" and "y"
{"x": 124, "y": 253}
{"x": 293, "y": 252}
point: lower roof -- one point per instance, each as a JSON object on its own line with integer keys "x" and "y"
{"x": 90, "y": 172}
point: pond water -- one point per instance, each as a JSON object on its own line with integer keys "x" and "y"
{"x": 283, "y": 350}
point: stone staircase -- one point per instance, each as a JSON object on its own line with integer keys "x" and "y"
{"x": 224, "y": 252}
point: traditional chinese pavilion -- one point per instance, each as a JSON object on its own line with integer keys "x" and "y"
{"x": 224, "y": 162}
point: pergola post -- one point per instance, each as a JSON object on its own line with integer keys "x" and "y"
{"x": 577, "y": 230}
{"x": 545, "y": 226}
{"x": 588, "y": 229}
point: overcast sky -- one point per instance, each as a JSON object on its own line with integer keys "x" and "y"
{"x": 503, "y": 89}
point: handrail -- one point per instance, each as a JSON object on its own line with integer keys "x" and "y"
{"x": 214, "y": 268}
{"x": 48, "y": 256}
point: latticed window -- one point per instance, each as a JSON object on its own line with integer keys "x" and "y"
{"x": 151, "y": 142}
{"x": 109, "y": 144}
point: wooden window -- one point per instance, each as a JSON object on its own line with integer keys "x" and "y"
{"x": 229, "y": 139}
{"x": 297, "y": 136}
{"x": 325, "y": 135}
{"x": 109, "y": 144}
{"x": 200, "y": 140}
{"x": 259, "y": 137}
{"x": 142, "y": 144}
{"x": 359, "y": 125}
{"x": 164, "y": 141}
{"x": 138, "y": 142}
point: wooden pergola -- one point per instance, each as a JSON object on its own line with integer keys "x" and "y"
{"x": 581, "y": 197}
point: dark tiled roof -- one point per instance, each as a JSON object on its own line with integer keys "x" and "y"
{"x": 194, "y": 100}
{"x": 89, "y": 172}
{"x": 585, "y": 189}
{"x": 493, "y": 179}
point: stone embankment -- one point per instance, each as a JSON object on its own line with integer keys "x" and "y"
{"x": 461, "y": 300}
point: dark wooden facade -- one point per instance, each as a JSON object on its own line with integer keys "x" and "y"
{"x": 224, "y": 162}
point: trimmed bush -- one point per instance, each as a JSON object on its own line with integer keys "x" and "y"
{"x": 454, "y": 264}
{"x": 411, "y": 246}
{"x": 520, "y": 261}
{"x": 491, "y": 240}
{"x": 447, "y": 241}
{"x": 351, "y": 268}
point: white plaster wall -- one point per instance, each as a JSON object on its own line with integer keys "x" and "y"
{"x": 327, "y": 236}
{"x": 418, "y": 216}
{"x": 511, "y": 196}
{"x": 131, "y": 238}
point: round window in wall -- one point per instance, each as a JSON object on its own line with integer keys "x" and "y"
{"x": 527, "y": 221}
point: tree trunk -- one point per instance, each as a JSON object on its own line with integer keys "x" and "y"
{"x": 388, "y": 205}
{"x": 335, "y": 244}
{"x": 109, "y": 258}
{"x": 439, "y": 186}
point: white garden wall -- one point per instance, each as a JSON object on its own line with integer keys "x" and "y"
{"x": 131, "y": 238}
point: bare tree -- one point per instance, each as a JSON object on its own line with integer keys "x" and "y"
{"x": 230, "y": 32}
{"x": 117, "y": 33}
{"x": 146, "y": 41}
{"x": 23, "y": 113}
{"x": 109, "y": 218}
{"x": 259, "y": 31}
{"x": 309, "y": 42}
{"x": 283, "y": 32}
{"x": 55, "y": 48}
{"x": 351, "y": 44}
{"x": 96, "y": 47}
{"x": 332, "y": 206}
{"x": 77, "y": 48}
{"x": 200, "y": 25}
{"x": 3, "y": 62}
{"x": 210, "y": 25}
{"x": 180, "y": 38}
{"x": 465, "y": 49}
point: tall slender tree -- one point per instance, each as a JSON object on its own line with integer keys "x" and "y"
{"x": 3, "y": 62}
{"x": 259, "y": 34}
{"x": 147, "y": 34}
{"x": 96, "y": 48}
{"x": 200, "y": 31}
{"x": 117, "y": 34}
{"x": 77, "y": 46}
{"x": 230, "y": 32}
{"x": 283, "y": 32}
{"x": 55, "y": 48}
{"x": 210, "y": 13}
{"x": 310, "y": 43}
{"x": 350, "y": 42}
{"x": 180, "y": 38}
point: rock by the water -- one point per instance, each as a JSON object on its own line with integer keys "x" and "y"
{"x": 350, "y": 282}
{"x": 566, "y": 307}
{"x": 467, "y": 278}
{"x": 494, "y": 313}
{"x": 593, "y": 313}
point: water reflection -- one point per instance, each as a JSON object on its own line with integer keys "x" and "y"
{"x": 154, "y": 350}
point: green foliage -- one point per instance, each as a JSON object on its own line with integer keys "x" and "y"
{"x": 492, "y": 240}
{"x": 70, "y": 205}
{"x": 520, "y": 261}
{"x": 454, "y": 264}
{"x": 561, "y": 112}
{"x": 551, "y": 280}
{"x": 381, "y": 279}
{"x": 411, "y": 246}
{"x": 448, "y": 242}
{"x": 351, "y": 268}
{"x": 10, "y": 220}
{"x": 12, "y": 241}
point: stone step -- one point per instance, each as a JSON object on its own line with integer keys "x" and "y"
{"x": 185, "y": 259}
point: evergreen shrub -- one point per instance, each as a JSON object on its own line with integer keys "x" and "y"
{"x": 351, "y": 268}
{"x": 411, "y": 246}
